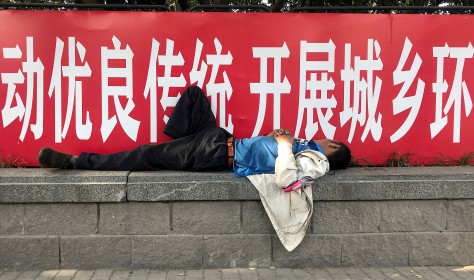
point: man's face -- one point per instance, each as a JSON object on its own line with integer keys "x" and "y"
{"x": 329, "y": 146}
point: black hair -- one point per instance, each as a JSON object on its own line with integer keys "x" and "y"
{"x": 340, "y": 158}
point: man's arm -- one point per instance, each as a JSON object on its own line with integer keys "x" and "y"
{"x": 285, "y": 165}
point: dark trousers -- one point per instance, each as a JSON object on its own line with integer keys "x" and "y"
{"x": 198, "y": 144}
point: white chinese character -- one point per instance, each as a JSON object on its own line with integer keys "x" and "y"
{"x": 313, "y": 85}
{"x": 198, "y": 76}
{"x": 402, "y": 102}
{"x": 74, "y": 101}
{"x": 22, "y": 110}
{"x": 168, "y": 61}
{"x": 153, "y": 81}
{"x": 365, "y": 94}
{"x": 459, "y": 90}
{"x": 264, "y": 87}
{"x": 224, "y": 89}
{"x": 151, "y": 90}
{"x": 9, "y": 113}
{"x": 129, "y": 125}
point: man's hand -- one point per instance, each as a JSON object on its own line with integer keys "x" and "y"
{"x": 283, "y": 135}
{"x": 285, "y": 138}
{"x": 279, "y": 131}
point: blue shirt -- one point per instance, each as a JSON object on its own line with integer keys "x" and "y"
{"x": 257, "y": 155}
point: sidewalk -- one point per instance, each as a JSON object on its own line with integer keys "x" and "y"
{"x": 428, "y": 273}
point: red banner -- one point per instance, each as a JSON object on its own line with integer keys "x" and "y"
{"x": 107, "y": 81}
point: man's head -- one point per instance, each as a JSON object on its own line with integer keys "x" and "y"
{"x": 337, "y": 153}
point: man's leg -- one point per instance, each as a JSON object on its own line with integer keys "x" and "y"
{"x": 191, "y": 114}
{"x": 140, "y": 158}
{"x": 170, "y": 155}
{"x": 202, "y": 151}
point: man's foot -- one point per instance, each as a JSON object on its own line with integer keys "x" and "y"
{"x": 49, "y": 158}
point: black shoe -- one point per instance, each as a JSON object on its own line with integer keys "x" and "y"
{"x": 49, "y": 158}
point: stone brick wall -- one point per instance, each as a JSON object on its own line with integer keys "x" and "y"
{"x": 224, "y": 224}
{"x": 234, "y": 234}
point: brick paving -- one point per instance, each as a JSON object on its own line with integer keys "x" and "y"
{"x": 348, "y": 273}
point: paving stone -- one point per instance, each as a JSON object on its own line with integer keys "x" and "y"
{"x": 194, "y": 275}
{"x": 121, "y": 274}
{"x": 248, "y": 274}
{"x": 139, "y": 274}
{"x": 465, "y": 272}
{"x": 339, "y": 274}
{"x": 393, "y": 273}
{"x": 230, "y": 274}
{"x": 445, "y": 273}
{"x": 84, "y": 274}
{"x": 102, "y": 274}
{"x": 320, "y": 273}
{"x": 283, "y": 271}
{"x": 266, "y": 273}
{"x": 175, "y": 275}
{"x": 373, "y": 273}
{"x": 65, "y": 274}
{"x": 157, "y": 275}
{"x": 47, "y": 275}
{"x": 10, "y": 275}
{"x": 303, "y": 274}
{"x": 354, "y": 273}
{"x": 407, "y": 272}
{"x": 285, "y": 274}
{"x": 28, "y": 275}
{"x": 212, "y": 274}
{"x": 284, "y": 277}
{"x": 426, "y": 272}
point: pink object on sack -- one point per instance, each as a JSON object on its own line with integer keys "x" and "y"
{"x": 293, "y": 187}
{"x": 304, "y": 182}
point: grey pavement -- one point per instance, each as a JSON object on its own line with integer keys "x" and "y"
{"x": 396, "y": 273}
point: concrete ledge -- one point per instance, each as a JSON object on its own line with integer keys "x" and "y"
{"x": 176, "y": 186}
{"x": 36, "y": 185}
{"x": 385, "y": 183}
{"x": 362, "y": 217}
